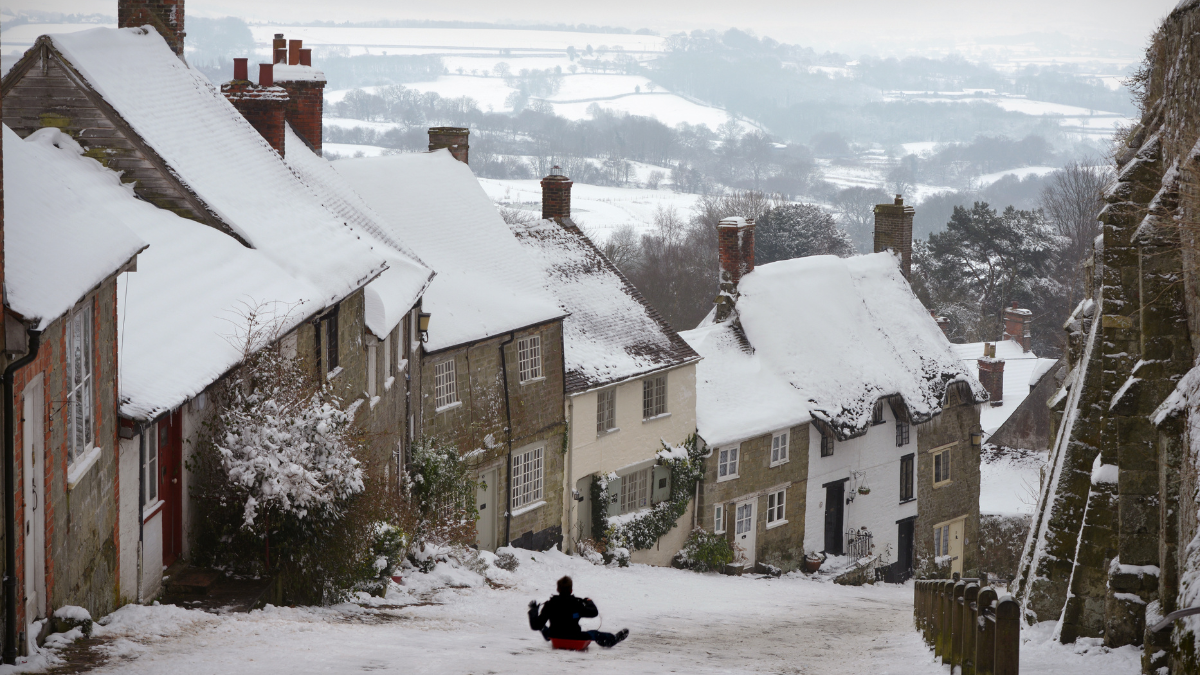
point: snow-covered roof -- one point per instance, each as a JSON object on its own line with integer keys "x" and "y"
{"x": 390, "y": 295}
{"x": 1022, "y": 370}
{"x": 216, "y": 154}
{"x": 486, "y": 283}
{"x": 64, "y": 231}
{"x": 611, "y": 332}
{"x": 821, "y": 337}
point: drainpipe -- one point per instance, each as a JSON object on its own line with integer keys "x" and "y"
{"x": 141, "y": 547}
{"x": 508, "y": 435}
{"x": 10, "y": 499}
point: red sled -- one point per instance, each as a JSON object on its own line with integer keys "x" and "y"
{"x": 573, "y": 645}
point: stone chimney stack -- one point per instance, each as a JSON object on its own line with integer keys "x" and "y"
{"x": 1016, "y": 326}
{"x": 735, "y": 256}
{"x": 893, "y": 231}
{"x": 165, "y": 15}
{"x": 942, "y": 322}
{"x": 991, "y": 374}
{"x": 263, "y": 105}
{"x": 453, "y": 139}
{"x": 556, "y": 195}
{"x": 305, "y": 88}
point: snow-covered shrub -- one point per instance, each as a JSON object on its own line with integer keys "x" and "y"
{"x": 591, "y": 551}
{"x": 618, "y": 557}
{"x": 704, "y": 552}
{"x": 280, "y": 483}
{"x": 386, "y": 555}
{"x": 507, "y": 561}
{"x": 439, "y": 496}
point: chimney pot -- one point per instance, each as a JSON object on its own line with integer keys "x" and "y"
{"x": 306, "y": 57}
{"x": 266, "y": 75}
{"x": 556, "y": 195}
{"x": 293, "y": 57}
{"x": 240, "y": 69}
{"x": 280, "y": 56}
{"x": 454, "y": 139}
{"x": 899, "y": 201}
{"x": 991, "y": 376}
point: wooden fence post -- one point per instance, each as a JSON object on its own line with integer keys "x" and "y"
{"x": 985, "y": 634}
{"x": 969, "y": 619}
{"x": 956, "y": 622}
{"x": 943, "y": 623}
{"x": 1008, "y": 637}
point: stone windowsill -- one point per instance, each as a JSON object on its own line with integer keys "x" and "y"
{"x": 387, "y": 384}
{"x": 529, "y": 507}
{"x": 375, "y": 401}
{"x": 778, "y": 523}
{"x": 609, "y": 432}
{"x": 448, "y": 406}
{"x": 722, "y": 479}
{"x": 533, "y": 381}
{"x": 780, "y": 462}
{"x": 79, "y": 469}
{"x": 908, "y": 501}
{"x": 655, "y": 418}
{"x": 333, "y": 373}
{"x": 151, "y": 510}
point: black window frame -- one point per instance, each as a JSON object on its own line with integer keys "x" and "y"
{"x": 330, "y": 324}
{"x": 877, "y": 413}
{"x": 902, "y": 433}
{"x": 907, "y": 473}
{"x": 826, "y": 442}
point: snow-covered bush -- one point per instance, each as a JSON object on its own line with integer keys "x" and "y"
{"x": 439, "y": 496}
{"x": 686, "y": 462}
{"x": 281, "y": 486}
{"x": 507, "y": 561}
{"x": 704, "y": 552}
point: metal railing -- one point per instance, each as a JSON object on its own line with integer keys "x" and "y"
{"x": 858, "y": 544}
{"x": 969, "y": 626}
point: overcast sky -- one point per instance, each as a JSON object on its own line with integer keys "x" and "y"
{"x": 846, "y": 25}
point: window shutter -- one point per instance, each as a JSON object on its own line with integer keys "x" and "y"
{"x": 661, "y": 475}
{"x": 614, "y": 497}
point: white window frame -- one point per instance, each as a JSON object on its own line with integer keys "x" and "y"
{"x": 654, "y": 397}
{"x": 779, "y": 447}
{"x": 81, "y": 421}
{"x": 942, "y": 466}
{"x": 743, "y": 523}
{"x": 527, "y": 477}
{"x": 728, "y": 462}
{"x": 529, "y": 359}
{"x": 150, "y": 466}
{"x": 635, "y": 490}
{"x": 776, "y": 514}
{"x": 445, "y": 385}
{"x": 719, "y": 519}
{"x": 606, "y": 411}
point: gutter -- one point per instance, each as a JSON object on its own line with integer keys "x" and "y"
{"x": 508, "y": 435}
{"x": 10, "y": 499}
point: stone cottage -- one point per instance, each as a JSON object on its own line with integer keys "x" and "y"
{"x": 489, "y": 378}
{"x": 839, "y": 420}
{"x": 630, "y": 380}
{"x": 67, "y": 243}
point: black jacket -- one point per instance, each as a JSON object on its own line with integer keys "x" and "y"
{"x": 563, "y": 612}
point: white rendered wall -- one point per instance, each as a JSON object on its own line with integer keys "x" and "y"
{"x": 878, "y": 456}
{"x": 128, "y": 464}
{"x": 152, "y": 571}
{"x": 634, "y": 440}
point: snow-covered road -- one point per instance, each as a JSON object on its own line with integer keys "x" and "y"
{"x": 679, "y": 622}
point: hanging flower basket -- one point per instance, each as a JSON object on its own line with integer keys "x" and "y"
{"x": 864, "y": 490}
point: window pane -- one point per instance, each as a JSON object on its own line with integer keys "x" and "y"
{"x": 647, "y": 399}
{"x": 733, "y": 460}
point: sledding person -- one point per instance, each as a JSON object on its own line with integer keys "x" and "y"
{"x": 563, "y": 612}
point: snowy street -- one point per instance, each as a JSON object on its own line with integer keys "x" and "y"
{"x": 452, "y": 621}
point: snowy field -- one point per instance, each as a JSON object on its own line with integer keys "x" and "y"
{"x": 455, "y": 621}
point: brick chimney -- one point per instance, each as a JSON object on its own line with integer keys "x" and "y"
{"x": 453, "y": 139}
{"x": 1016, "y": 326}
{"x": 165, "y": 15}
{"x": 942, "y": 323}
{"x": 305, "y": 87}
{"x": 556, "y": 195}
{"x": 735, "y": 257}
{"x": 991, "y": 374}
{"x": 893, "y": 231}
{"x": 263, "y": 105}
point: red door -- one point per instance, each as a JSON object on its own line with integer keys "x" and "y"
{"x": 170, "y": 484}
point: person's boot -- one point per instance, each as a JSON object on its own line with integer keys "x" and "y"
{"x": 622, "y": 634}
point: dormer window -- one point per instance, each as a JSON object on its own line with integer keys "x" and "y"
{"x": 877, "y": 417}
{"x": 826, "y": 442}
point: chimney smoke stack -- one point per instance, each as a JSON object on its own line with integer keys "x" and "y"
{"x": 240, "y": 69}
{"x": 293, "y": 52}
{"x": 454, "y": 139}
{"x": 306, "y": 57}
{"x": 266, "y": 75}
{"x": 991, "y": 374}
{"x": 165, "y": 15}
{"x": 893, "y": 231}
{"x": 1016, "y": 326}
{"x": 263, "y": 105}
{"x": 735, "y": 257}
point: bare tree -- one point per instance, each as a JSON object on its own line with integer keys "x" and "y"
{"x": 856, "y": 206}
{"x": 1072, "y": 202}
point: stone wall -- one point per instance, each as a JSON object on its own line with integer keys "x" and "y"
{"x": 476, "y": 426}
{"x": 958, "y": 499}
{"x": 781, "y": 546}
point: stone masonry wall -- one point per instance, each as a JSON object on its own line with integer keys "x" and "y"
{"x": 477, "y": 425}
{"x": 959, "y": 499}
{"x": 781, "y": 546}
{"x": 82, "y": 538}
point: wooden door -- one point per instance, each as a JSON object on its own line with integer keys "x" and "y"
{"x": 170, "y": 484}
{"x": 745, "y": 526}
{"x": 485, "y": 496}
{"x": 835, "y": 508}
{"x": 956, "y": 546}
{"x": 33, "y": 457}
